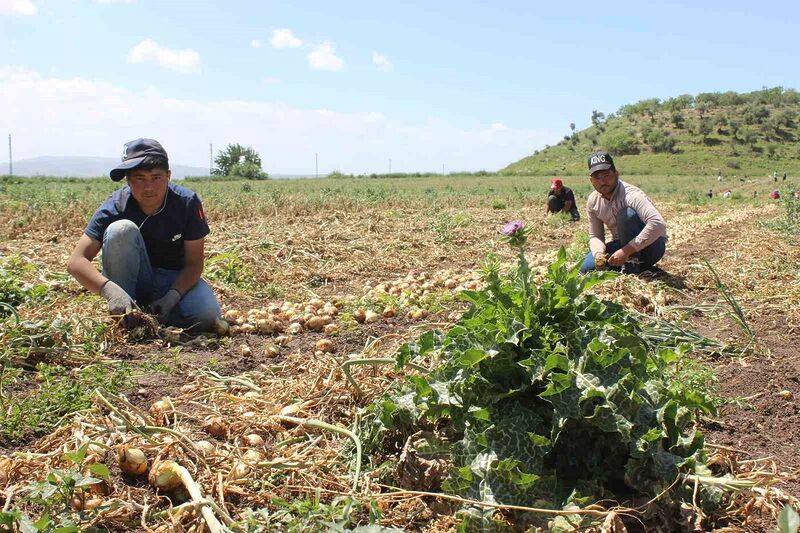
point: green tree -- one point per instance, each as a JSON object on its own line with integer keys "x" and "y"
{"x": 720, "y": 122}
{"x": 660, "y": 140}
{"x": 736, "y": 127}
{"x": 705, "y": 128}
{"x": 620, "y": 142}
{"x": 677, "y": 119}
{"x": 755, "y": 114}
{"x": 749, "y": 137}
{"x": 238, "y": 160}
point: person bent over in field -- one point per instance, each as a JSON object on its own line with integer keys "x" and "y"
{"x": 151, "y": 233}
{"x": 561, "y": 199}
{"x": 638, "y": 229}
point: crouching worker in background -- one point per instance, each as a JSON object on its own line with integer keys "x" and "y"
{"x": 638, "y": 229}
{"x": 152, "y": 236}
{"x": 561, "y": 199}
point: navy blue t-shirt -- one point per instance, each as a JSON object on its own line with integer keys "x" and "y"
{"x": 181, "y": 219}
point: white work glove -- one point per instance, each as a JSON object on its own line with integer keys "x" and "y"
{"x": 163, "y": 306}
{"x": 119, "y": 302}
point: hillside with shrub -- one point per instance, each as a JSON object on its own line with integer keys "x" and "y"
{"x": 737, "y": 134}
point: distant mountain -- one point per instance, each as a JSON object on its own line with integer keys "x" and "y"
{"x": 82, "y": 167}
{"x": 754, "y": 134}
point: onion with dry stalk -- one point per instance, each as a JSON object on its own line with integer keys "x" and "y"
{"x": 164, "y": 475}
{"x": 205, "y": 448}
{"x": 132, "y": 461}
{"x": 160, "y": 410}
{"x": 253, "y": 439}
{"x": 216, "y": 427}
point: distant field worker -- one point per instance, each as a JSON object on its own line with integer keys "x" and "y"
{"x": 639, "y": 232}
{"x": 561, "y": 199}
{"x": 152, "y": 234}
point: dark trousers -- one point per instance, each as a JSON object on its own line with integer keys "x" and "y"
{"x": 555, "y": 204}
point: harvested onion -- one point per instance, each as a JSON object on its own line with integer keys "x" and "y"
{"x": 132, "y": 461}
{"x": 253, "y": 439}
{"x": 164, "y": 475}
{"x": 359, "y": 315}
{"x": 205, "y": 448}
{"x": 325, "y": 345}
{"x": 216, "y": 426}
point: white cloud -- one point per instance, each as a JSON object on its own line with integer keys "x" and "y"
{"x": 270, "y": 80}
{"x": 114, "y": 1}
{"x": 284, "y": 38}
{"x": 323, "y": 57}
{"x": 382, "y": 62}
{"x": 255, "y": 43}
{"x": 17, "y": 7}
{"x": 97, "y": 117}
{"x": 148, "y": 51}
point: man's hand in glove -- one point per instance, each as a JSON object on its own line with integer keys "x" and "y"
{"x": 119, "y": 302}
{"x": 163, "y": 306}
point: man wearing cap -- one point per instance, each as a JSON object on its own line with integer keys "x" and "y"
{"x": 151, "y": 233}
{"x": 561, "y": 199}
{"x": 639, "y": 232}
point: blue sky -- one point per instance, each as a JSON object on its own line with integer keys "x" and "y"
{"x": 467, "y": 85}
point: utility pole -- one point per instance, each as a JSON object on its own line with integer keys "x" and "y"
{"x": 442, "y": 169}
{"x": 210, "y": 158}
{"x": 316, "y": 164}
{"x": 10, "y": 160}
{"x": 390, "y": 165}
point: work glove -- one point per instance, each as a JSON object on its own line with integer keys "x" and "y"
{"x": 163, "y": 306}
{"x": 119, "y": 302}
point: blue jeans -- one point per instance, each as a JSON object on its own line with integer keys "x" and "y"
{"x": 126, "y": 263}
{"x": 629, "y": 225}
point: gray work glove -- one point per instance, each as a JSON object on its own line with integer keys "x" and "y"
{"x": 163, "y": 306}
{"x": 119, "y": 302}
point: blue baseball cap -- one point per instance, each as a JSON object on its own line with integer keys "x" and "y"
{"x": 133, "y": 153}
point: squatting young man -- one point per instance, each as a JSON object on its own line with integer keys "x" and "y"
{"x": 639, "y": 232}
{"x": 151, "y": 233}
{"x": 561, "y": 199}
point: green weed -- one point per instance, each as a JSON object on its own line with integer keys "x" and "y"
{"x": 42, "y": 398}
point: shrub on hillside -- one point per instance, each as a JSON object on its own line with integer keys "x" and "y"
{"x": 620, "y": 142}
{"x": 660, "y": 140}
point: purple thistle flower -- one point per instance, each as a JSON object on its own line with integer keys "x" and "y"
{"x": 512, "y": 227}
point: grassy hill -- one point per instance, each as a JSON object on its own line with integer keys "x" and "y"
{"x": 733, "y": 133}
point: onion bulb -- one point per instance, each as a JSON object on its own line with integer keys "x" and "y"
{"x": 252, "y": 456}
{"x": 253, "y": 439}
{"x": 205, "y": 448}
{"x": 239, "y": 471}
{"x": 81, "y": 503}
{"x": 159, "y": 410}
{"x": 132, "y": 461}
{"x": 359, "y": 315}
{"x": 164, "y": 475}
{"x": 325, "y": 345}
{"x": 216, "y": 426}
{"x": 371, "y": 316}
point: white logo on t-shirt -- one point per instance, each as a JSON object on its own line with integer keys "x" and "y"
{"x": 176, "y": 237}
